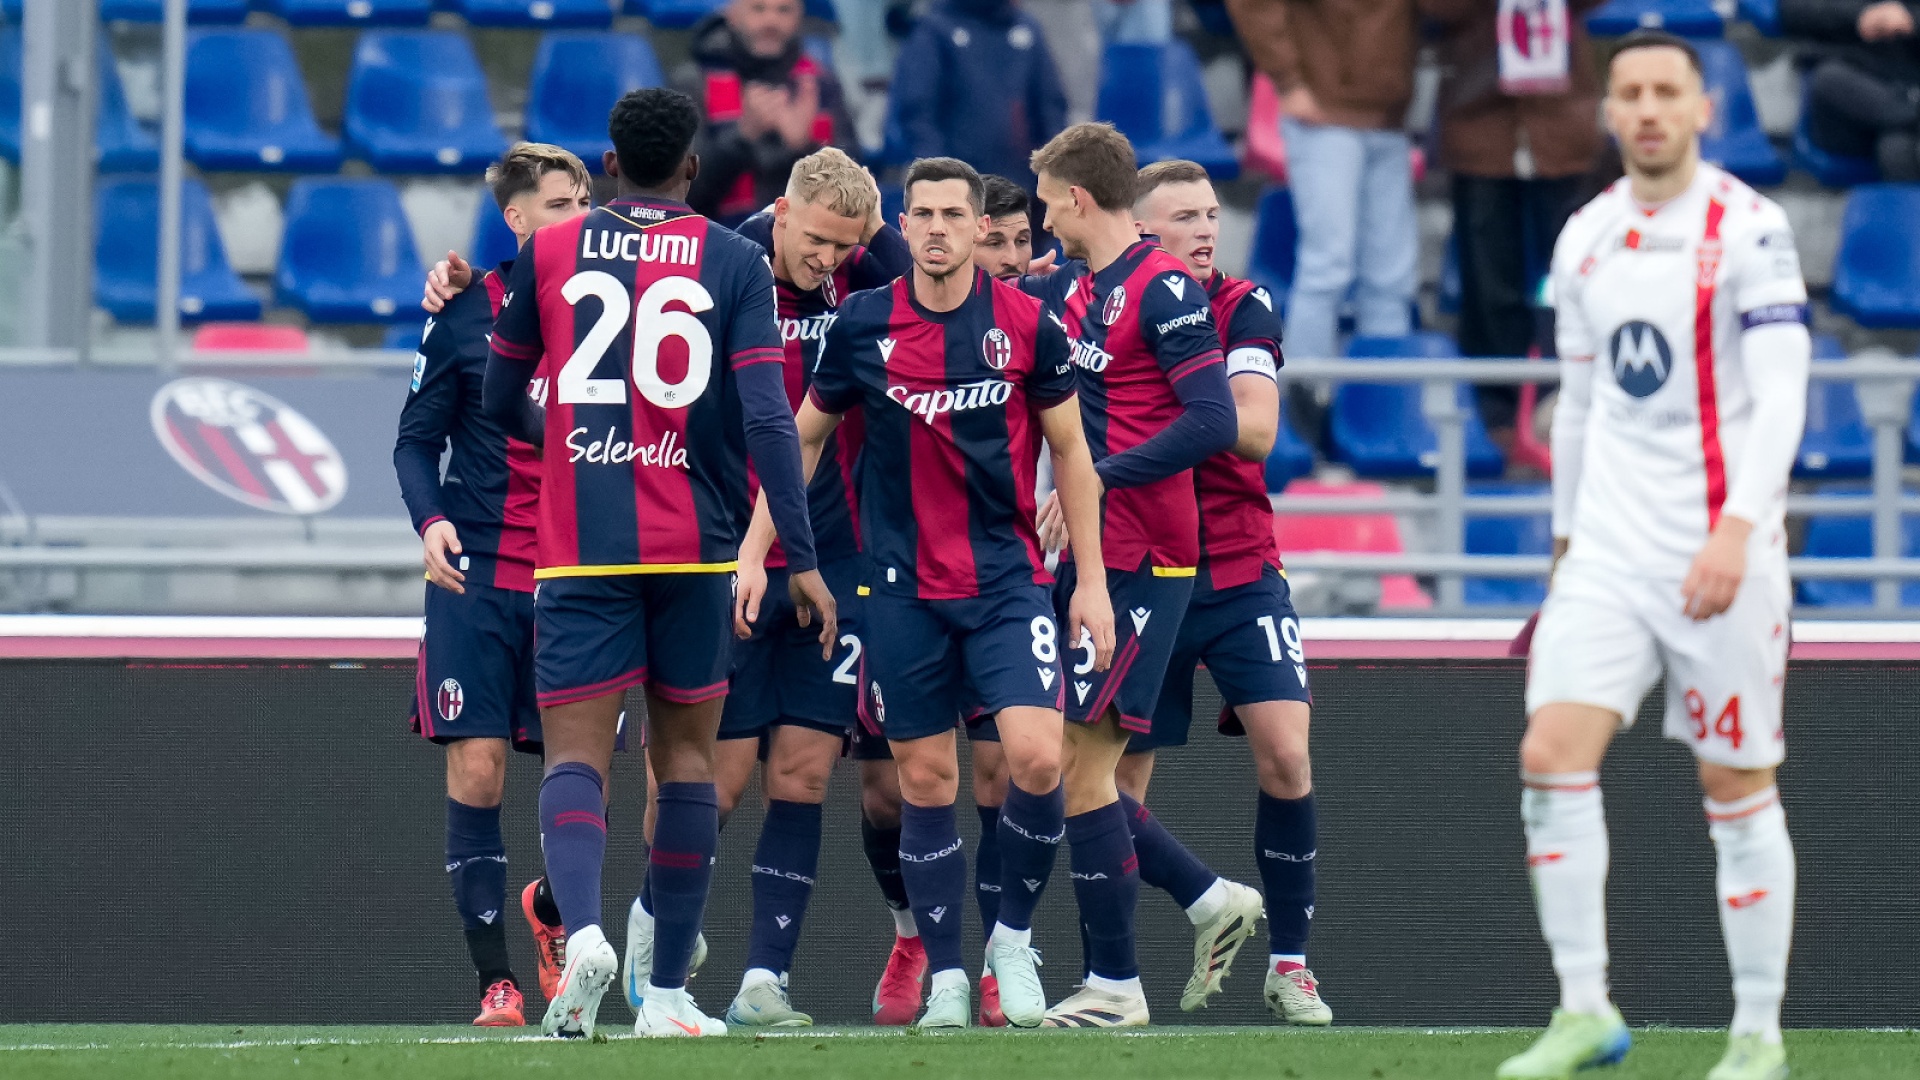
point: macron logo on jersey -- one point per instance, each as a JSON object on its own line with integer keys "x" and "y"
{"x": 1176, "y": 285}
{"x": 886, "y": 349}
{"x": 1265, "y": 300}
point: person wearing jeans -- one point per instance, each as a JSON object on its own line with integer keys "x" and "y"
{"x": 1344, "y": 69}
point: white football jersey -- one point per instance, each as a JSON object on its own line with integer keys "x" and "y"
{"x": 1657, "y": 301}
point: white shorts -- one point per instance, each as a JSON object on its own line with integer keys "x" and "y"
{"x": 1604, "y": 639}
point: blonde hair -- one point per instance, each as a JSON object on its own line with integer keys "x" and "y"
{"x": 526, "y": 164}
{"x": 829, "y": 178}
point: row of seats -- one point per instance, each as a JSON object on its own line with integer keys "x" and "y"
{"x": 1693, "y": 18}
{"x": 489, "y": 13}
{"x": 416, "y": 102}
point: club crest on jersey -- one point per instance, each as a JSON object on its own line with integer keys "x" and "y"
{"x": 450, "y": 700}
{"x": 1642, "y": 359}
{"x": 1115, "y": 306}
{"x": 250, "y": 447}
{"x": 879, "y": 704}
{"x": 830, "y": 291}
{"x": 997, "y": 349}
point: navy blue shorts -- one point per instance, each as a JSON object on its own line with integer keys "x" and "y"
{"x": 930, "y": 662}
{"x": 1249, "y": 638}
{"x": 873, "y": 746}
{"x": 600, "y": 635}
{"x": 778, "y": 676}
{"x": 1147, "y": 610}
{"x": 474, "y": 679}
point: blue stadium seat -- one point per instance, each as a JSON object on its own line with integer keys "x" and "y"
{"x": 126, "y": 249}
{"x": 417, "y": 102}
{"x": 1876, "y": 276}
{"x": 348, "y": 254}
{"x": 352, "y": 12}
{"x": 674, "y": 14}
{"x": 152, "y": 11}
{"x": 1291, "y": 458}
{"x": 552, "y": 13}
{"x": 1507, "y": 534}
{"x": 1852, "y": 538}
{"x": 1838, "y": 443}
{"x": 247, "y": 106}
{"x": 1379, "y": 429}
{"x": 1688, "y": 18}
{"x": 1833, "y": 170}
{"x": 493, "y": 243}
{"x": 1735, "y": 142}
{"x": 124, "y": 144}
{"x": 1276, "y": 236}
{"x": 1763, "y": 14}
{"x": 1155, "y": 93}
{"x": 577, "y": 77}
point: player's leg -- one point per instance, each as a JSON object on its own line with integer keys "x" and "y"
{"x": 536, "y": 900}
{"x": 990, "y": 782}
{"x": 573, "y": 834}
{"x": 896, "y": 998}
{"x": 477, "y": 869}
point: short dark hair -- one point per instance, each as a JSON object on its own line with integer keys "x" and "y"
{"x": 936, "y": 169}
{"x": 1161, "y": 173}
{"x": 525, "y": 165}
{"x": 652, "y": 132}
{"x": 1094, "y": 157}
{"x": 1647, "y": 38}
{"x": 1005, "y": 198}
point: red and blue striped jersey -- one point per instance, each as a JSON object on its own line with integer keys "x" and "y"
{"x": 952, "y": 401}
{"x": 492, "y": 485}
{"x": 1236, "y": 517}
{"x": 644, "y": 311}
{"x": 1137, "y": 327}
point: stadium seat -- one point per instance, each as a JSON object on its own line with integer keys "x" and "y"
{"x": 1852, "y": 538}
{"x": 348, "y": 255}
{"x": 352, "y": 12}
{"x": 1735, "y": 142}
{"x": 1833, "y": 170}
{"x": 1363, "y": 533}
{"x": 1291, "y": 458}
{"x": 1763, "y": 14}
{"x": 1156, "y": 94}
{"x": 1688, "y": 18}
{"x": 152, "y": 11}
{"x": 124, "y": 144}
{"x": 1276, "y": 237}
{"x": 247, "y": 106}
{"x": 555, "y": 13}
{"x": 1507, "y": 534}
{"x": 250, "y": 337}
{"x": 577, "y": 77}
{"x": 674, "y": 14}
{"x": 126, "y": 251}
{"x": 1379, "y": 428}
{"x": 417, "y": 102}
{"x": 493, "y": 243}
{"x": 1876, "y": 275}
{"x": 1838, "y": 444}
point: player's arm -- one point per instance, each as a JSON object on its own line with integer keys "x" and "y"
{"x": 1575, "y": 343}
{"x": 1179, "y": 329}
{"x": 813, "y": 427}
{"x": 425, "y": 422}
{"x": 514, "y": 357}
{"x": 886, "y": 258}
{"x": 1253, "y": 373}
{"x": 1077, "y": 487}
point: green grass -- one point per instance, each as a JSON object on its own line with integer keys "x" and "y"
{"x": 137, "y": 1052}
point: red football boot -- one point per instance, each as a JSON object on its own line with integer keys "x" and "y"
{"x": 550, "y": 942}
{"x": 896, "y": 1001}
{"x": 501, "y": 1006}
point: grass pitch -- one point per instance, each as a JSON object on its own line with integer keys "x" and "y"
{"x": 137, "y": 1052}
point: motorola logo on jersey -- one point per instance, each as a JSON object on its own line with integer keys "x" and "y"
{"x": 1642, "y": 359}
{"x": 975, "y": 395}
{"x": 248, "y": 446}
{"x": 997, "y": 349}
{"x": 1116, "y": 304}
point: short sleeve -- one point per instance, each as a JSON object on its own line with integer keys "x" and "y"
{"x": 516, "y": 330}
{"x": 1764, "y": 271}
{"x": 833, "y": 389}
{"x": 1176, "y": 320}
{"x": 753, "y": 332}
{"x": 1572, "y": 336}
{"x": 1253, "y": 337}
{"x": 1052, "y": 379}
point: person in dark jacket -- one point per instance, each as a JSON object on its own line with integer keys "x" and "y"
{"x": 767, "y": 103}
{"x": 1864, "y": 93}
{"x": 976, "y": 82}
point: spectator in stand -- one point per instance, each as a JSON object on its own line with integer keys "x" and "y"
{"x": 1134, "y": 22}
{"x": 1073, "y": 34}
{"x": 768, "y": 104}
{"x": 1864, "y": 95}
{"x": 1344, "y": 69}
{"x": 1519, "y": 131}
{"x": 976, "y": 82}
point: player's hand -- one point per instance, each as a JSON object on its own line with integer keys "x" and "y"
{"x": 1090, "y": 617}
{"x": 440, "y": 539}
{"x": 1300, "y": 104}
{"x": 811, "y": 598}
{"x": 1879, "y": 22}
{"x": 1714, "y": 578}
{"x": 878, "y": 218}
{"x": 1043, "y": 265}
{"x": 1052, "y": 524}
{"x": 448, "y": 279}
{"x": 802, "y": 105}
{"x": 750, "y": 587}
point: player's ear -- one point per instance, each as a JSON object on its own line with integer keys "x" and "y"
{"x": 692, "y": 167}
{"x": 516, "y": 218}
{"x": 610, "y": 164}
{"x": 1703, "y": 117}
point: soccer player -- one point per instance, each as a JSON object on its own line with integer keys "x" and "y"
{"x": 658, "y": 331}
{"x": 1681, "y": 321}
{"x": 1008, "y": 249}
{"x": 475, "y": 684}
{"x": 1153, "y": 390}
{"x": 1242, "y": 625}
{"x": 960, "y": 376}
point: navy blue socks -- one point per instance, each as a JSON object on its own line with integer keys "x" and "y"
{"x": 784, "y": 866}
{"x": 573, "y": 833}
{"x": 935, "y": 871}
{"x": 1165, "y": 863}
{"x": 1284, "y": 842}
{"x": 1031, "y": 827}
{"x": 477, "y": 870}
{"x": 1106, "y": 881}
{"x": 686, "y": 832}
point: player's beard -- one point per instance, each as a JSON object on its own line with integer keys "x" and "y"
{"x": 947, "y": 271}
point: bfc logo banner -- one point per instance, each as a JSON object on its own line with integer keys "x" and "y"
{"x": 248, "y": 446}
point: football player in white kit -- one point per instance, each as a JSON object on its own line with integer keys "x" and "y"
{"x": 1683, "y": 345}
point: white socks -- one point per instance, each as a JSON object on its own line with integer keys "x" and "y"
{"x": 1567, "y": 856}
{"x": 951, "y": 977}
{"x": 1210, "y": 904}
{"x": 1755, "y": 885}
{"x": 903, "y": 923}
{"x": 1115, "y": 986}
{"x": 758, "y": 975}
{"x": 1007, "y": 935}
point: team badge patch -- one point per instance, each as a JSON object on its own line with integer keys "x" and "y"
{"x": 248, "y": 446}
{"x": 1115, "y": 306}
{"x": 879, "y": 705}
{"x": 997, "y": 349}
{"x": 450, "y": 700}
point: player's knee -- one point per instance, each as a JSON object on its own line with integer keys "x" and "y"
{"x": 1285, "y": 776}
{"x": 1037, "y": 772}
{"x": 928, "y": 780}
{"x": 477, "y": 771}
{"x": 990, "y": 785}
{"x": 797, "y": 781}
{"x": 1133, "y": 774}
{"x": 1725, "y": 784}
